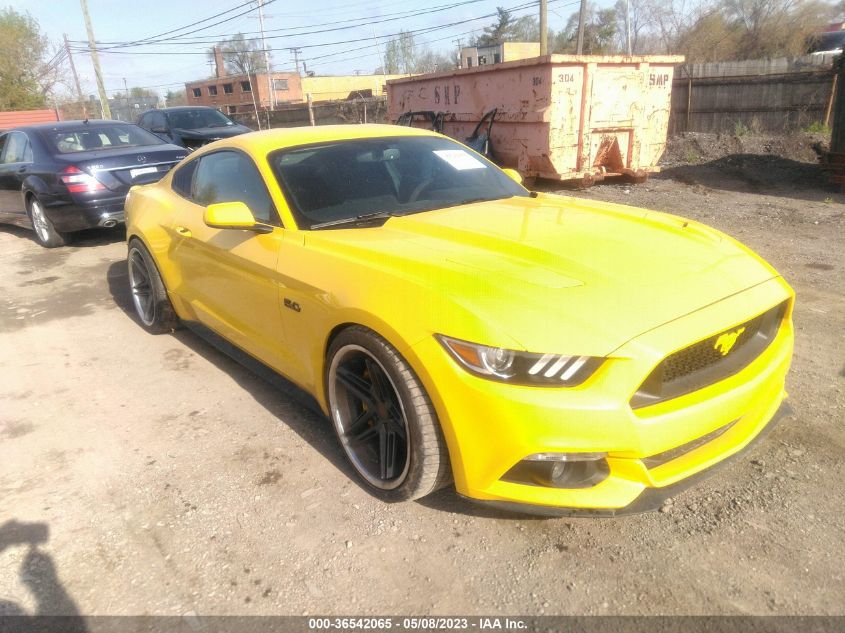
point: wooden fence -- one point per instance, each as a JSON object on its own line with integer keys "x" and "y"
{"x": 369, "y": 110}
{"x": 755, "y": 95}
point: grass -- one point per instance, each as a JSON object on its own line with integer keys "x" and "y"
{"x": 816, "y": 127}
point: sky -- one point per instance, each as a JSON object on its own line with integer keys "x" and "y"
{"x": 167, "y": 66}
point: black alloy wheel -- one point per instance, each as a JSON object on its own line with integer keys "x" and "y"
{"x": 383, "y": 418}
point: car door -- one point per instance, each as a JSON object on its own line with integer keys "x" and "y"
{"x": 156, "y": 122}
{"x": 15, "y": 161}
{"x": 229, "y": 277}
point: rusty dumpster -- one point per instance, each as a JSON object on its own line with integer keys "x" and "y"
{"x": 563, "y": 117}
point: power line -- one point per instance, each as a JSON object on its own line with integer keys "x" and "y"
{"x": 370, "y": 20}
{"x": 318, "y": 45}
{"x": 208, "y": 26}
{"x": 423, "y": 43}
{"x": 187, "y": 26}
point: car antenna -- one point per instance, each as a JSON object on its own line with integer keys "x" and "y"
{"x": 85, "y": 122}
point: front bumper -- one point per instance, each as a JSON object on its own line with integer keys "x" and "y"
{"x": 651, "y": 498}
{"x": 490, "y": 427}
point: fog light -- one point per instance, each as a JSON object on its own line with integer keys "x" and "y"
{"x": 560, "y": 470}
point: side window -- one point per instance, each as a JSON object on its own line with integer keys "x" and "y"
{"x": 3, "y": 138}
{"x": 144, "y": 121}
{"x": 232, "y": 177}
{"x": 17, "y": 148}
{"x": 157, "y": 121}
{"x": 182, "y": 179}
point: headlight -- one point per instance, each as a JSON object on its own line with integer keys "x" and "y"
{"x": 521, "y": 368}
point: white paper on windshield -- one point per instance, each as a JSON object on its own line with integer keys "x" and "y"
{"x": 459, "y": 159}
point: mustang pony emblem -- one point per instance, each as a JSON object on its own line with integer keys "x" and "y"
{"x": 726, "y": 341}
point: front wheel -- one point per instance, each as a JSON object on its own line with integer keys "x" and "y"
{"x": 383, "y": 418}
{"x": 149, "y": 295}
{"x": 45, "y": 232}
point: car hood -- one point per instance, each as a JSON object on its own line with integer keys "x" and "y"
{"x": 211, "y": 133}
{"x": 556, "y": 274}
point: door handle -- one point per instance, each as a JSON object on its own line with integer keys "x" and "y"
{"x": 22, "y": 169}
{"x": 181, "y": 230}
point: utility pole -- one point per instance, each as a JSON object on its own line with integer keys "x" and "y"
{"x": 95, "y": 58}
{"x": 460, "y": 43}
{"x": 125, "y": 89}
{"x": 272, "y": 94}
{"x": 628, "y": 26}
{"x": 383, "y": 56}
{"x": 544, "y": 29}
{"x": 296, "y": 52}
{"x": 76, "y": 79}
{"x": 580, "y": 49}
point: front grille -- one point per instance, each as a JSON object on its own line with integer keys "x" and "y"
{"x": 703, "y": 354}
{"x": 704, "y": 363}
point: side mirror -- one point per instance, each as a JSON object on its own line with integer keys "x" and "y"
{"x": 158, "y": 129}
{"x": 514, "y": 174}
{"x": 233, "y": 215}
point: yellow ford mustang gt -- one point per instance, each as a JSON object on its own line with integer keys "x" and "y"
{"x": 547, "y": 354}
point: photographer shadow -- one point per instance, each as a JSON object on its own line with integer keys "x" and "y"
{"x": 38, "y": 574}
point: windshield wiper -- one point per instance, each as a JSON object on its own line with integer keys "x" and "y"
{"x": 354, "y": 220}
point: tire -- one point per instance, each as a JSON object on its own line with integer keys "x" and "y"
{"x": 149, "y": 296}
{"x": 45, "y": 232}
{"x": 373, "y": 396}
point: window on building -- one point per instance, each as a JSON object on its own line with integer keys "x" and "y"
{"x": 469, "y": 62}
{"x": 497, "y": 58}
{"x": 231, "y": 109}
{"x": 227, "y": 89}
{"x": 245, "y": 87}
{"x": 197, "y": 92}
{"x": 280, "y": 84}
{"x": 482, "y": 59}
{"x": 212, "y": 90}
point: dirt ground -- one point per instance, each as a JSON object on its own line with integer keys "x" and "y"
{"x": 154, "y": 475}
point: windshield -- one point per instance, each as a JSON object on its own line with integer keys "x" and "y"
{"x": 396, "y": 176}
{"x": 199, "y": 118}
{"x": 88, "y": 138}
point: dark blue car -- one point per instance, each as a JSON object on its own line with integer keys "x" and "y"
{"x": 190, "y": 126}
{"x": 57, "y": 178}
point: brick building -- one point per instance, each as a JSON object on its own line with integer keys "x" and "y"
{"x": 234, "y": 94}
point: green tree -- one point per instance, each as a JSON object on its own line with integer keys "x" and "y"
{"x": 525, "y": 29}
{"x": 25, "y": 76}
{"x": 241, "y": 56}
{"x": 402, "y": 55}
{"x": 137, "y": 92}
{"x": 600, "y": 33}
{"x": 176, "y": 98}
{"x": 407, "y": 52}
{"x": 392, "y": 56}
{"x": 500, "y": 31}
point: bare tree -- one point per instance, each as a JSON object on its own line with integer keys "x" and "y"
{"x": 241, "y": 55}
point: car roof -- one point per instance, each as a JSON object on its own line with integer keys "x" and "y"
{"x": 70, "y": 125}
{"x": 262, "y": 143}
{"x": 180, "y": 108}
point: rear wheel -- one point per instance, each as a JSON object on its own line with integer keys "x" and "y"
{"x": 45, "y": 232}
{"x": 149, "y": 295}
{"x": 383, "y": 418}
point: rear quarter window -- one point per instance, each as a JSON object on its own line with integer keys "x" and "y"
{"x": 183, "y": 177}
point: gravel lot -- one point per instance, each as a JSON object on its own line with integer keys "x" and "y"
{"x": 154, "y": 475}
